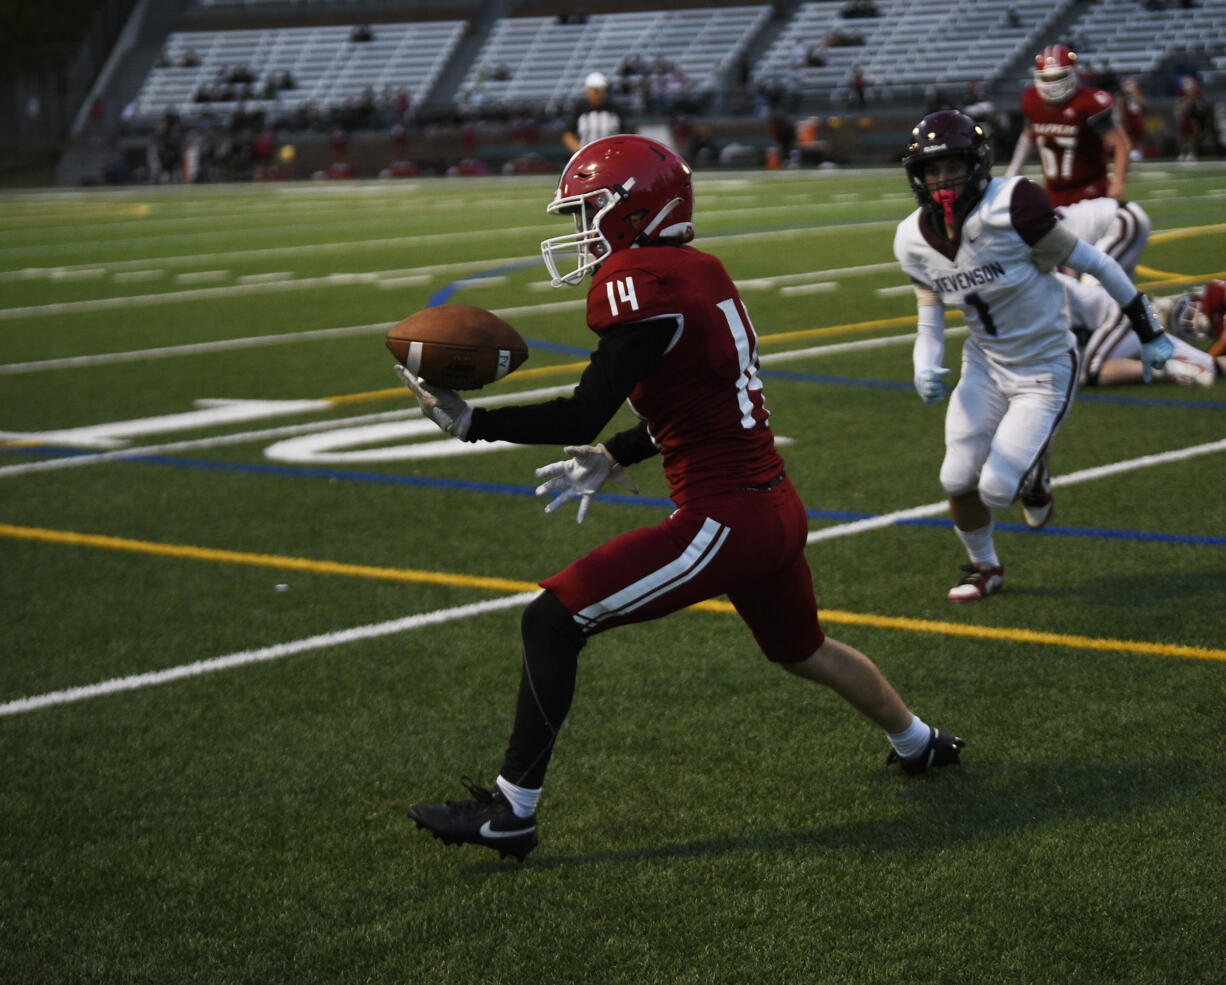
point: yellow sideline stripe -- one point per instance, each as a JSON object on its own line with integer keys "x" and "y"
{"x": 1166, "y": 235}
{"x": 189, "y": 552}
{"x": 999, "y": 633}
{"x": 835, "y": 616}
{"x": 1161, "y": 277}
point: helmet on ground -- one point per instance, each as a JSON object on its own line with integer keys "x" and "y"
{"x": 624, "y": 192}
{"x": 1055, "y": 74}
{"x": 1196, "y": 316}
{"x": 941, "y": 135}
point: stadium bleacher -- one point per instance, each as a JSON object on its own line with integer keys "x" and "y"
{"x": 905, "y": 53}
{"x": 907, "y": 49}
{"x": 545, "y": 59}
{"x": 328, "y": 67}
{"x": 1137, "y": 40}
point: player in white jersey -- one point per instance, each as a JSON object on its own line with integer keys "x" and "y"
{"x": 988, "y": 246}
{"x": 1111, "y": 350}
{"x": 1119, "y": 229}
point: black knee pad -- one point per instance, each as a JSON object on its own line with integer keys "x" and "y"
{"x": 548, "y": 628}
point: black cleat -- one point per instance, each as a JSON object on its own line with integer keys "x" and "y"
{"x": 943, "y": 749}
{"x": 486, "y": 820}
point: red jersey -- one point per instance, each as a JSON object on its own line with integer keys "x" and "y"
{"x": 703, "y": 400}
{"x": 1069, "y": 138}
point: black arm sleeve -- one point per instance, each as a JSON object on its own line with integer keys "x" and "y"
{"x": 632, "y": 445}
{"x": 625, "y": 355}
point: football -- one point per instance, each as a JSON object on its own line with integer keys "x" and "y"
{"x": 457, "y": 346}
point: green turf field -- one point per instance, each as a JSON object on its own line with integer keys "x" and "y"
{"x": 255, "y": 608}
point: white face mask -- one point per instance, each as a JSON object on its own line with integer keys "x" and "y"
{"x": 586, "y": 247}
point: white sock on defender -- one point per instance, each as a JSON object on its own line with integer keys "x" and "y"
{"x": 980, "y": 545}
{"x": 913, "y": 740}
{"x": 522, "y": 799}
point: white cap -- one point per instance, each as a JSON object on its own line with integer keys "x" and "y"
{"x": 595, "y": 80}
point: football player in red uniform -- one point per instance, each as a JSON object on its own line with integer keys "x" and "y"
{"x": 1073, "y": 127}
{"x": 675, "y": 338}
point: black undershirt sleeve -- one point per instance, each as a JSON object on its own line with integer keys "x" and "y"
{"x": 625, "y": 355}
{"x": 632, "y": 445}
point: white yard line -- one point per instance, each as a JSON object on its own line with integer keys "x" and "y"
{"x": 276, "y": 652}
{"x": 268, "y": 434}
{"x": 1072, "y": 478}
{"x": 408, "y": 623}
{"x": 237, "y": 258}
{"x": 195, "y": 348}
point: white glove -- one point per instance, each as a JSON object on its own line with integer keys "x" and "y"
{"x": 443, "y": 406}
{"x": 581, "y": 475}
{"x": 1155, "y": 353}
{"x": 928, "y": 384}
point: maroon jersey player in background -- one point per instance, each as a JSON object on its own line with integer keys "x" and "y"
{"x": 676, "y": 340}
{"x": 1073, "y": 127}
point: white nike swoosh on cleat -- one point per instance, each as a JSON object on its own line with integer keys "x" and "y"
{"x": 488, "y": 832}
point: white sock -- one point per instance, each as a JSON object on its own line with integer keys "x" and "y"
{"x": 980, "y": 545}
{"x": 911, "y": 741}
{"x": 522, "y": 799}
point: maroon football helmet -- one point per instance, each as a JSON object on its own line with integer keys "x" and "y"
{"x": 944, "y": 134}
{"x": 1055, "y": 74}
{"x": 623, "y": 191}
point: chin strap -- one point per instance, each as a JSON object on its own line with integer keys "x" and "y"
{"x": 644, "y": 236}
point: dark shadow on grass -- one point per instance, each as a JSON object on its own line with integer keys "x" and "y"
{"x": 943, "y": 811}
{"x": 1108, "y": 590}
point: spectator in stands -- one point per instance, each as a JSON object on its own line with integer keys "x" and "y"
{"x": 838, "y": 38}
{"x": 630, "y": 74}
{"x": 1012, "y": 17}
{"x": 979, "y": 108}
{"x": 935, "y": 99}
{"x": 860, "y": 8}
{"x": 783, "y": 132}
{"x": 858, "y": 85}
{"x": 97, "y": 118}
{"x": 594, "y": 116}
{"x": 1131, "y": 103}
{"x": 1193, "y": 118}
{"x": 1106, "y": 77}
{"x": 362, "y": 32}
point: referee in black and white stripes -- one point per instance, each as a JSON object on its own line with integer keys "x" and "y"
{"x": 594, "y": 116}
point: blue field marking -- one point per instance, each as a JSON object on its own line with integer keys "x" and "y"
{"x": 443, "y": 294}
{"x": 659, "y": 503}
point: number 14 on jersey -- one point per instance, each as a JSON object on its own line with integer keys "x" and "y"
{"x": 621, "y": 290}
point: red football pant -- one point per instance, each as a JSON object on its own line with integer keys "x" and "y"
{"x": 747, "y": 545}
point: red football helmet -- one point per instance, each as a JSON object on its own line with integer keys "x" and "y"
{"x": 1055, "y": 74}
{"x": 623, "y": 191}
{"x": 1197, "y": 317}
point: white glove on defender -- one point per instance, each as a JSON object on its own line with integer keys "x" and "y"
{"x": 582, "y": 476}
{"x": 928, "y": 384}
{"x": 444, "y": 407}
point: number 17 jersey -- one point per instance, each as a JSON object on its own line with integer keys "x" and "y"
{"x": 1014, "y": 310}
{"x": 703, "y": 401}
